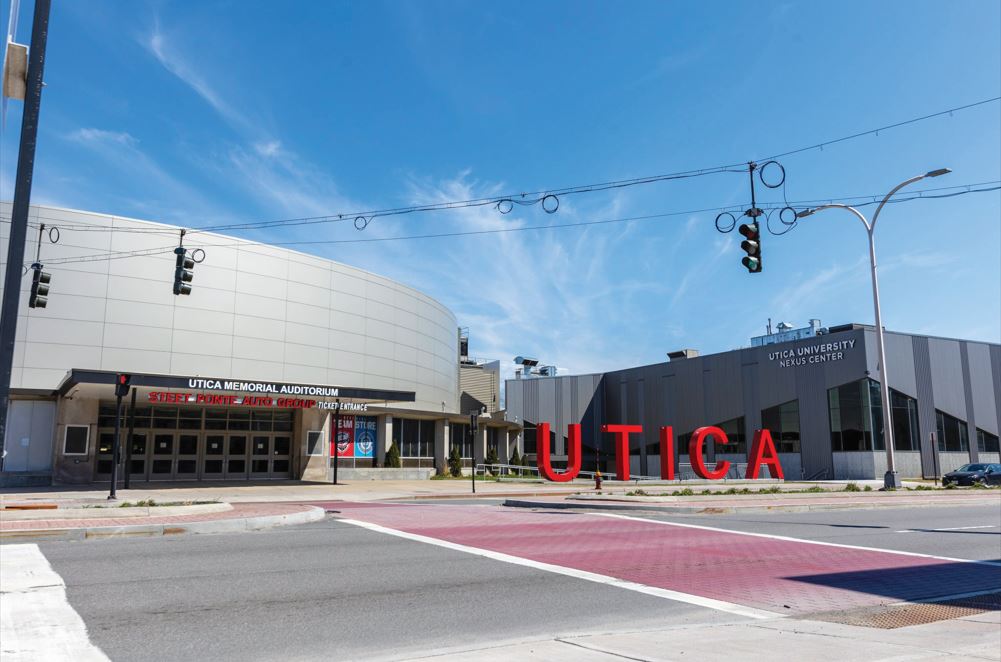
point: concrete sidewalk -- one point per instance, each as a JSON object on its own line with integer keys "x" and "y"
{"x": 70, "y": 524}
{"x": 795, "y": 502}
{"x": 283, "y": 491}
{"x": 976, "y": 637}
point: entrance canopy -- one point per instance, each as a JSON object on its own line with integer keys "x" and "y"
{"x": 211, "y": 391}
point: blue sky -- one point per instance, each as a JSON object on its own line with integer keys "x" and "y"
{"x": 210, "y": 112}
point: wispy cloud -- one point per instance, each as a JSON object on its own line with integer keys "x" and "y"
{"x": 158, "y": 44}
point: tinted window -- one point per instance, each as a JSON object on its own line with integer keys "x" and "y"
{"x": 76, "y": 440}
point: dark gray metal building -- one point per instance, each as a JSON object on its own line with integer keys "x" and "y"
{"x": 817, "y": 396}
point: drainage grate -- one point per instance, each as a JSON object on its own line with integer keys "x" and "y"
{"x": 888, "y": 617}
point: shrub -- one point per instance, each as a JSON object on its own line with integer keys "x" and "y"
{"x": 868, "y": 488}
{"x": 526, "y": 463}
{"x": 637, "y": 493}
{"x": 515, "y": 460}
{"x": 852, "y": 487}
{"x": 454, "y": 462}
{"x": 815, "y": 488}
{"x": 492, "y": 459}
{"x": 950, "y": 486}
{"x": 393, "y": 457}
{"x": 685, "y": 492}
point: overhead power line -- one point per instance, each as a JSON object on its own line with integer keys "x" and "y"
{"x": 548, "y": 199}
{"x": 855, "y": 200}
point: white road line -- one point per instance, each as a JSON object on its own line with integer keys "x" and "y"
{"x": 37, "y": 623}
{"x": 688, "y": 598}
{"x": 802, "y": 540}
{"x": 955, "y": 528}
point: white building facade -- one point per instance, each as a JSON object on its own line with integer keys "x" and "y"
{"x": 238, "y": 380}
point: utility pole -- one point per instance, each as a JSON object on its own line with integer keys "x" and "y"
{"x": 19, "y": 211}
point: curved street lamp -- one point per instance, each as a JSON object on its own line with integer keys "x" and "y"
{"x": 890, "y": 480}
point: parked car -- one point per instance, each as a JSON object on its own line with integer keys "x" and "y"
{"x": 969, "y": 474}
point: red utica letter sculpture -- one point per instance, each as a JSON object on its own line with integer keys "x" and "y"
{"x": 667, "y": 453}
{"x": 542, "y": 454}
{"x": 763, "y": 452}
{"x": 695, "y": 453}
{"x": 622, "y": 433}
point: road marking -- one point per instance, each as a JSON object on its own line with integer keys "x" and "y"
{"x": 36, "y": 620}
{"x": 955, "y": 528}
{"x": 801, "y": 540}
{"x": 719, "y": 605}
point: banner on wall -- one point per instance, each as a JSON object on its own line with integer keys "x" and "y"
{"x": 364, "y": 436}
{"x": 345, "y": 438}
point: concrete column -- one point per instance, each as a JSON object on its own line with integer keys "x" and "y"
{"x": 503, "y": 446}
{"x": 312, "y": 467}
{"x": 441, "y": 446}
{"x": 383, "y": 437}
{"x": 480, "y": 445}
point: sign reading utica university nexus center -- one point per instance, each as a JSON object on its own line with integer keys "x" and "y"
{"x": 763, "y": 453}
{"x": 824, "y": 352}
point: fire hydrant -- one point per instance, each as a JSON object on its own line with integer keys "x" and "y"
{"x": 597, "y": 480}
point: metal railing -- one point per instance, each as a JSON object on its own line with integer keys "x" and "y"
{"x": 737, "y": 471}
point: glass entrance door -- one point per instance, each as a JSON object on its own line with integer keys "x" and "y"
{"x": 214, "y": 458}
{"x": 236, "y": 456}
{"x": 260, "y": 456}
{"x": 280, "y": 464}
{"x": 162, "y": 457}
{"x": 186, "y": 467}
{"x": 139, "y": 469}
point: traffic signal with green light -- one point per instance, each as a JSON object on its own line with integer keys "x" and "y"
{"x": 751, "y": 246}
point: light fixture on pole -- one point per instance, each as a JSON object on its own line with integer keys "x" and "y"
{"x": 890, "y": 480}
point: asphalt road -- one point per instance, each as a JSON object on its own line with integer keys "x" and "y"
{"x": 968, "y": 532}
{"x": 337, "y": 591}
{"x": 326, "y": 590}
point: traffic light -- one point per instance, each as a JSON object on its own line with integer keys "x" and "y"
{"x": 39, "y": 287}
{"x": 752, "y": 246}
{"x": 182, "y": 273}
{"x": 122, "y": 385}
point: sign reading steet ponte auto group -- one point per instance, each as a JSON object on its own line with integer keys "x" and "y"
{"x": 219, "y": 400}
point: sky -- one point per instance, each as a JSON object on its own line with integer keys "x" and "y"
{"x": 215, "y": 112}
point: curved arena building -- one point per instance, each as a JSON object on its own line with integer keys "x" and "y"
{"x": 245, "y": 377}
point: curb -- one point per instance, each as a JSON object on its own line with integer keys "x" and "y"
{"x": 712, "y": 510}
{"x": 234, "y": 525}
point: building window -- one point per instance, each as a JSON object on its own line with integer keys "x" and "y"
{"x": 76, "y": 440}
{"x": 314, "y": 442}
{"x": 415, "y": 439}
{"x": 459, "y": 436}
{"x": 850, "y": 409}
{"x": 530, "y": 444}
{"x": 987, "y": 442}
{"x": 783, "y": 422}
{"x": 905, "y": 422}
{"x": 953, "y": 436}
{"x": 734, "y": 429}
{"x": 856, "y": 418}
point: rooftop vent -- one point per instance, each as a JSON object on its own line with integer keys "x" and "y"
{"x": 683, "y": 354}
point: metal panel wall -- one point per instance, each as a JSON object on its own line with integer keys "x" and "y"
{"x": 985, "y": 400}
{"x": 926, "y": 405}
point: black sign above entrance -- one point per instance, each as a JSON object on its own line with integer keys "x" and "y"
{"x": 77, "y": 376}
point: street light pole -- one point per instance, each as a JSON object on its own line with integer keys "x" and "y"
{"x": 890, "y": 480}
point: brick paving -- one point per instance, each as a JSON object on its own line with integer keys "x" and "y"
{"x": 782, "y": 576}
{"x": 239, "y": 511}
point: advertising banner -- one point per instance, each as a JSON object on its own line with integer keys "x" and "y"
{"x": 364, "y": 436}
{"x": 345, "y": 438}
